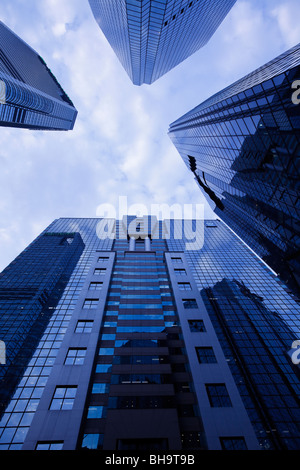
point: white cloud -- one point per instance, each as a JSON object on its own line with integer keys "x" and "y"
{"x": 59, "y": 29}
{"x": 119, "y": 146}
{"x": 287, "y": 16}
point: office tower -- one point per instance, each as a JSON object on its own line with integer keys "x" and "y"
{"x": 151, "y": 345}
{"x": 151, "y": 37}
{"x": 30, "y": 288}
{"x": 30, "y": 95}
{"x": 243, "y": 145}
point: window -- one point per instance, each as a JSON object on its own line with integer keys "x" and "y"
{"x": 92, "y": 441}
{"x": 102, "y": 259}
{"x": 108, "y": 337}
{"x": 100, "y": 272}
{"x": 233, "y": 443}
{"x": 109, "y": 324}
{"x": 100, "y": 388}
{"x": 180, "y": 272}
{"x": 218, "y": 395}
{"x": 141, "y": 379}
{"x": 184, "y": 286}
{"x": 63, "y": 398}
{"x": 206, "y": 355}
{"x": 75, "y": 356}
{"x": 51, "y": 445}
{"x": 106, "y": 351}
{"x": 197, "y": 326}
{"x": 103, "y": 368}
{"x": 96, "y": 285}
{"x": 176, "y": 260}
{"x": 84, "y": 326}
{"x": 139, "y": 360}
{"x": 190, "y": 303}
{"x": 90, "y": 303}
{"x": 96, "y": 412}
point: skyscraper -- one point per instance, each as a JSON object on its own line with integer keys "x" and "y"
{"x": 151, "y": 37}
{"x": 243, "y": 147}
{"x": 149, "y": 344}
{"x": 30, "y": 288}
{"x": 30, "y": 95}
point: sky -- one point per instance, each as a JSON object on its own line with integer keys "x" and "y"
{"x": 119, "y": 147}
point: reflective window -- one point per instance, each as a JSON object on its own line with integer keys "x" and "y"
{"x": 84, "y": 326}
{"x": 180, "y": 272}
{"x": 96, "y": 285}
{"x": 206, "y": 355}
{"x": 96, "y": 412}
{"x": 106, "y": 351}
{"x": 75, "y": 356}
{"x": 197, "y": 326}
{"x": 218, "y": 395}
{"x": 100, "y": 388}
{"x": 51, "y": 445}
{"x": 100, "y": 272}
{"x": 184, "y": 286}
{"x": 103, "y": 368}
{"x": 92, "y": 441}
{"x": 189, "y": 303}
{"x": 63, "y": 398}
{"x": 233, "y": 443}
{"x": 90, "y": 303}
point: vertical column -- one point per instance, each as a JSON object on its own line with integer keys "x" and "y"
{"x": 227, "y": 418}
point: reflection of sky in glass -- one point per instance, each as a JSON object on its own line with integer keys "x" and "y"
{"x": 242, "y": 142}
{"x": 25, "y": 401}
{"x": 225, "y": 256}
{"x": 150, "y": 41}
{"x": 222, "y": 256}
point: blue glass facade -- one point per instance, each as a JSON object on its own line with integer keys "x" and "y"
{"x": 24, "y": 401}
{"x": 30, "y": 289}
{"x": 150, "y": 345}
{"x": 242, "y": 146}
{"x": 141, "y": 380}
{"x": 150, "y": 37}
{"x": 256, "y": 320}
{"x": 31, "y": 96}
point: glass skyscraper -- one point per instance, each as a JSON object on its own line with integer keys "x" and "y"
{"x": 151, "y": 37}
{"x": 121, "y": 335}
{"x": 243, "y": 147}
{"x": 30, "y": 95}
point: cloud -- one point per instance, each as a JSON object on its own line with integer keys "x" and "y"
{"x": 287, "y": 17}
{"x": 119, "y": 146}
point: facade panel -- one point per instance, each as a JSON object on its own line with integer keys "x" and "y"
{"x": 256, "y": 320}
{"x": 242, "y": 146}
{"x": 30, "y": 95}
{"x": 151, "y": 37}
{"x": 153, "y": 346}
